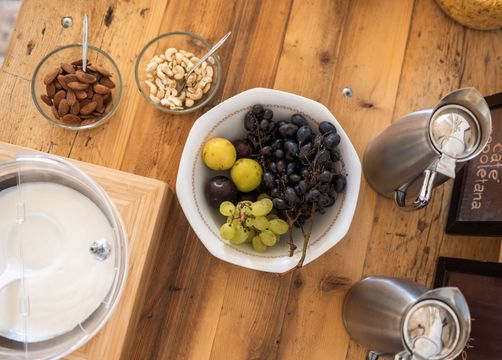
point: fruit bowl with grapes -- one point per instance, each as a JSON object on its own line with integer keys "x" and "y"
{"x": 268, "y": 180}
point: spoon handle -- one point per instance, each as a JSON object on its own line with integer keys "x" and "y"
{"x": 209, "y": 53}
{"x": 85, "y": 31}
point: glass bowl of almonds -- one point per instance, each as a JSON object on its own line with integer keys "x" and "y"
{"x": 74, "y": 99}
{"x": 161, "y": 68}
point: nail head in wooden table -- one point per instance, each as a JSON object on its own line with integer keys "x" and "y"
{"x": 396, "y": 56}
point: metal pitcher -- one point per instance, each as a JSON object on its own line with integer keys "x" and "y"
{"x": 425, "y": 148}
{"x": 405, "y": 319}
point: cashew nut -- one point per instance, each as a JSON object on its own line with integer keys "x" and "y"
{"x": 169, "y": 54}
{"x": 189, "y": 102}
{"x": 209, "y": 72}
{"x": 160, "y": 73}
{"x": 179, "y": 73}
{"x": 151, "y": 67}
{"x": 155, "y": 99}
{"x": 159, "y": 83}
{"x": 206, "y": 88}
{"x": 204, "y": 81}
{"x": 153, "y": 88}
{"x": 197, "y": 95}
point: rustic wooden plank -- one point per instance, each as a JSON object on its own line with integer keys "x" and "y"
{"x": 407, "y": 244}
{"x": 369, "y": 61}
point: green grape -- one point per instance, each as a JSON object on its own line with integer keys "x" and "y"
{"x": 258, "y": 245}
{"x": 263, "y": 196}
{"x": 252, "y": 234}
{"x": 261, "y": 207}
{"x": 230, "y": 219}
{"x": 272, "y": 217}
{"x": 268, "y": 203}
{"x": 278, "y": 226}
{"x": 241, "y": 234}
{"x": 268, "y": 238}
{"x": 227, "y": 231}
{"x": 249, "y": 222}
{"x": 227, "y": 208}
{"x": 261, "y": 223}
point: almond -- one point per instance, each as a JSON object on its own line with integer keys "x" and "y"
{"x": 51, "y": 90}
{"x": 108, "y": 107}
{"x": 71, "y": 97}
{"x": 101, "y": 89}
{"x": 67, "y": 68}
{"x": 103, "y": 71}
{"x": 46, "y": 99}
{"x": 60, "y": 95}
{"x": 71, "y": 119}
{"x": 85, "y": 102}
{"x": 70, "y": 78}
{"x": 57, "y": 85}
{"x": 74, "y": 85}
{"x": 51, "y": 75}
{"x": 75, "y": 108}
{"x": 88, "y": 121}
{"x": 88, "y": 109}
{"x": 85, "y": 78}
{"x": 81, "y": 94}
{"x": 99, "y": 102}
{"x": 62, "y": 81}
{"x": 63, "y": 107}
{"x": 107, "y": 98}
{"x": 55, "y": 112}
{"x": 77, "y": 62}
{"x": 90, "y": 92}
{"x": 107, "y": 82}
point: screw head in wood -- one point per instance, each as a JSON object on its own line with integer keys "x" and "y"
{"x": 347, "y": 92}
{"x": 67, "y": 22}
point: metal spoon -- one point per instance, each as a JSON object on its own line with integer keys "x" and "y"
{"x": 204, "y": 58}
{"x": 85, "y": 30}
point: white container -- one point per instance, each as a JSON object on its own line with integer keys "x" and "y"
{"x": 64, "y": 237}
{"x": 226, "y": 120}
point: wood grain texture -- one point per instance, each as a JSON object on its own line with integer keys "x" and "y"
{"x": 143, "y": 204}
{"x": 397, "y": 56}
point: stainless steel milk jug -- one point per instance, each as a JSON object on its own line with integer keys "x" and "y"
{"x": 405, "y": 319}
{"x": 425, "y": 148}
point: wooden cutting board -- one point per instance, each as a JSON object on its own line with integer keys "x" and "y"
{"x": 143, "y": 203}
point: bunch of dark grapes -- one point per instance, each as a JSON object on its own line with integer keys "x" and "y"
{"x": 301, "y": 169}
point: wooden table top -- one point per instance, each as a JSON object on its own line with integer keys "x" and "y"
{"x": 396, "y": 56}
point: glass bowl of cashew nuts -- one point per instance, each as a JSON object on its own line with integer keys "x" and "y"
{"x": 161, "y": 68}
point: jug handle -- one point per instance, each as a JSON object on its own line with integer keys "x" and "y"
{"x": 373, "y": 355}
{"x": 424, "y": 196}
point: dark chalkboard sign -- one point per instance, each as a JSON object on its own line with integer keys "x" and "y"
{"x": 481, "y": 284}
{"x": 476, "y": 204}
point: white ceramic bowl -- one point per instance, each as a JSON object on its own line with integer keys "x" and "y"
{"x": 227, "y": 120}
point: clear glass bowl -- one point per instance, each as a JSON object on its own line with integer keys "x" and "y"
{"x": 181, "y": 41}
{"x": 68, "y": 54}
{"x": 41, "y": 168}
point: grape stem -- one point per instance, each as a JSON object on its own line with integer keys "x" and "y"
{"x": 291, "y": 221}
{"x": 306, "y": 238}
